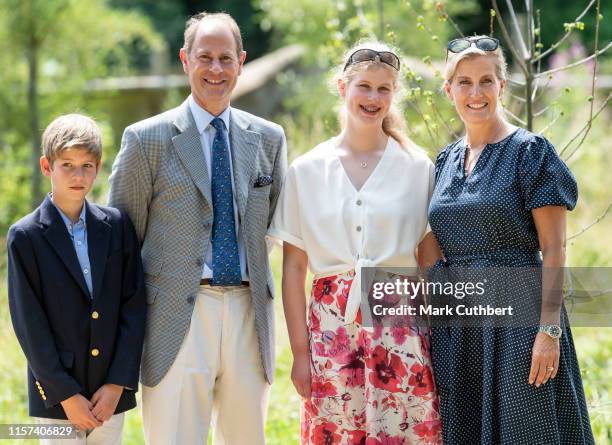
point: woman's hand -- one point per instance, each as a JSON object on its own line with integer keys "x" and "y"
{"x": 550, "y": 225}
{"x": 300, "y": 375}
{"x": 295, "y": 264}
{"x": 544, "y": 359}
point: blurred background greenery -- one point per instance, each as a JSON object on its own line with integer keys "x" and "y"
{"x": 117, "y": 60}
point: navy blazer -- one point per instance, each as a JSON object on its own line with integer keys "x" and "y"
{"x": 74, "y": 342}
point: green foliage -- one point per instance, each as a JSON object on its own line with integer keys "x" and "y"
{"x": 14, "y": 184}
{"x": 169, "y": 18}
{"x": 73, "y": 42}
{"x": 85, "y": 39}
{"x": 558, "y": 18}
{"x": 419, "y": 30}
{"x": 78, "y": 40}
{"x": 593, "y": 347}
{"x": 328, "y": 28}
{"x": 554, "y": 14}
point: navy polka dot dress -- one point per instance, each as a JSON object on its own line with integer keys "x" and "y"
{"x": 485, "y": 220}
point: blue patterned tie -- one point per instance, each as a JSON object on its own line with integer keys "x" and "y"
{"x": 226, "y": 262}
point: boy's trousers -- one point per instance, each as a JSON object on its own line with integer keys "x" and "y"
{"x": 107, "y": 434}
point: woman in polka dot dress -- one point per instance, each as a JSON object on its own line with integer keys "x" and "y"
{"x": 358, "y": 199}
{"x": 500, "y": 199}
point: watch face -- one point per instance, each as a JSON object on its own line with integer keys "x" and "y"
{"x": 554, "y": 331}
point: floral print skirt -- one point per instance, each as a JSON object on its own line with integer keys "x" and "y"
{"x": 369, "y": 386}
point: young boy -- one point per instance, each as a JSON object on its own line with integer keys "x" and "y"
{"x": 76, "y": 294}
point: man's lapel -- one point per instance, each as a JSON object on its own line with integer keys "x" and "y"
{"x": 189, "y": 149}
{"x": 245, "y": 145}
{"x": 98, "y": 240}
{"x": 58, "y": 237}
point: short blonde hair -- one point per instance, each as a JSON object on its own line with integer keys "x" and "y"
{"x": 393, "y": 124}
{"x": 71, "y": 130}
{"x": 497, "y": 56}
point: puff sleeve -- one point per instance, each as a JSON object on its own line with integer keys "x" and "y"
{"x": 441, "y": 161}
{"x": 544, "y": 178}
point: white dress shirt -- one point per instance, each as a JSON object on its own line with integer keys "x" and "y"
{"x": 207, "y": 134}
{"x": 341, "y": 228}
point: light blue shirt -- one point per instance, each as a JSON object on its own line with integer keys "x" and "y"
{"x": 78, "y": 235}
{"x": 207, "y": 134}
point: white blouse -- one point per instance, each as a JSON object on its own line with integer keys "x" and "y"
{"x": 341, "y": 228}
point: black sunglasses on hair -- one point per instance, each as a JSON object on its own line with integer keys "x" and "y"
{"x": 482, "y": 43}
{"x": 369, "y": 55}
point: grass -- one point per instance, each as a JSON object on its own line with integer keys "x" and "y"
{"x": 283, "y": 417}
{"x": 593, "y": 346}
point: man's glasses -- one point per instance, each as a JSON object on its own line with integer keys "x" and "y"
{"x": 369, "y": 55}
{"x": 482, "y": 43}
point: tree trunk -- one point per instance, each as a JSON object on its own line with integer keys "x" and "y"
{"x": 33, "y": 112}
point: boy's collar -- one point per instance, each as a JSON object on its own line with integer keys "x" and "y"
{"x": 50, "y": 214}
{"x": 67, "y": 221}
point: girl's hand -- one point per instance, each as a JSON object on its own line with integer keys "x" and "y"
{"x": 300, "y": 375}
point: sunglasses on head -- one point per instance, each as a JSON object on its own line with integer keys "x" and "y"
{"x": 369, "y": 55}
{"x": 482, "y": 43}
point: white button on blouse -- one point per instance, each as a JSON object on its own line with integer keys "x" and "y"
{"x": 341, "y": 228}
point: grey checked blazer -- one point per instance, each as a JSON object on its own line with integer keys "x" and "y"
{"x": 160, "y": 179}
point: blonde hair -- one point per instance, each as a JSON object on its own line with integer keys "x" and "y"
{"x": 497, "y": 56}
{"x": 191, "y": 27}
{"x": 393, "y": 124}
{"x": 71, "y": 130}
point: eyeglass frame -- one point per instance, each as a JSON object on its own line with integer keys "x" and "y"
{"x": 377, "y": 58}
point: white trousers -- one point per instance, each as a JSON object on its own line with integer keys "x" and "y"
{"x": 217, "y": 376}
{"x": 107, "y": 434}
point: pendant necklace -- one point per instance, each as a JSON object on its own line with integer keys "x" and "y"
{"x": 365, "y": 163}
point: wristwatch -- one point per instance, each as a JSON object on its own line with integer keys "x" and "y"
{"x": 552, "y": 330}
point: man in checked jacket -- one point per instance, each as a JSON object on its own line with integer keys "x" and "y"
{"x": 200, "y": 183}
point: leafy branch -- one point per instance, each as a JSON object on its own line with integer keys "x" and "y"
{"x": 584, "y": 130}
{"x": 568, "y": 31}
{"x": 578, "y": 63}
